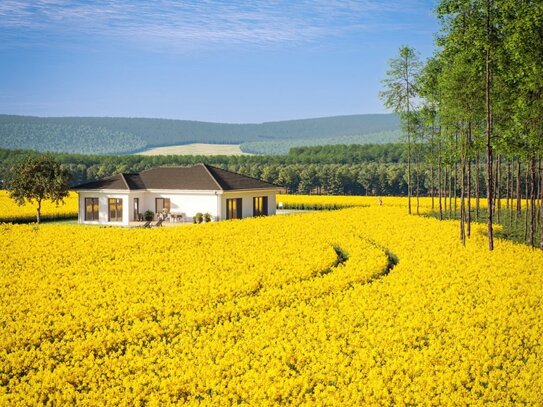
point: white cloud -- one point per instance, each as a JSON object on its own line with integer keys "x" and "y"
{"x": 191, "y": 24}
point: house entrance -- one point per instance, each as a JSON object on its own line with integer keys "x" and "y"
{"x": 162, "y": 205}
{"x": 233, "y": 208}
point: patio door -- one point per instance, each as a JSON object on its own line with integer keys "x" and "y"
{"x": 162, "y": 205}
{"x": 260, "y": 206}
{"x": 233, "y": 208}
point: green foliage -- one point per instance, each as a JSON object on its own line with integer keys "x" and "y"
{"x": 66, "y": 137}
{"x": 280, "y": 147}
{"x": 399, "y": 86}
{"x": 349, "y": 154}
{"x": 198, "y": 217}
{"x": 38, "y": 179}
{"x": 361, "y": 169}
{"x": 103, "y": 135}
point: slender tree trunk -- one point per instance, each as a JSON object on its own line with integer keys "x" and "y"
{"x": 417, "y": 169}
{"x": 38, "y": 212}
{"x": 494, "y": 177}
{"x": 541, "y": 203}
{"x": 432, "y": 156}
{"x": 439, "y": 180}
{"x": 477, "y": 190}
{"x": 408, "y": 140}
{"x": 488, "y": 109}
{"x": 498, "y": 182}
{"x": 455, "y": 189}
{"x": 526, "y": 194}
{"x": 450, "y": 191}
{"x": 532, "y": 201}
{"x": 510, "y": 193}
{"x": 445, "y": 188}
{"x": 519, "y": 187}
{"x": 468, "y": 153}
{"x": 507, "y": 180}
{"x": 408, "y": 170}
{"x": 462, "y": 204}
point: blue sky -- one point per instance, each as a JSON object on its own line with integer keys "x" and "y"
{"x": 210, "y": 60}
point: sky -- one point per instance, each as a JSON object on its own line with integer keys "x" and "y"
{"x": 209, "y": 60}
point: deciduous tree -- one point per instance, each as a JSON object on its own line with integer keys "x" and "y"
{"x": 38, "y": 179}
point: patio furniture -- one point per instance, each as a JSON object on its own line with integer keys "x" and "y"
{"x": 159, "y": 223}
{"x": 175, "y": 217}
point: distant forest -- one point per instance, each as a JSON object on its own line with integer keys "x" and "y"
{"x": 103, "y": 135}
{"x": 282, "y": 147}
{"x": 336, "y": 169}
{"x": 368, "y": 169}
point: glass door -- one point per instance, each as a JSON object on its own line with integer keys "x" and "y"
{"x": 233, "y": 208}
{"x": 136, "y": 209}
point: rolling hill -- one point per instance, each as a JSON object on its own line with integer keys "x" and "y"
{"x": 108, "y": 135}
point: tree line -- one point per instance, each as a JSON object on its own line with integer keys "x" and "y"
{"x": 282, "y": 147}
{"x": 352, "y": 170}
{"x": 337, "y": 170}
{"x": 474, "y": 110}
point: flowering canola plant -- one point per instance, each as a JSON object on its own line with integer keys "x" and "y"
{"x": 348, "y": 201}
{"x": 10, "y": 211}
{"x": 360, "y": 306}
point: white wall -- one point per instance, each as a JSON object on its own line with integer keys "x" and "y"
{"x": 142, "y": 209}
{"x": 188, "y": 203}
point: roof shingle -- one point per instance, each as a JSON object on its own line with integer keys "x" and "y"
{"x": 198, "y": 177}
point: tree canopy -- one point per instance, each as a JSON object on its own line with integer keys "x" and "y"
{"x": 38, "y": 179}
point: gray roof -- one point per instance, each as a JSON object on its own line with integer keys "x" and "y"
{"x": 198, "y": 177}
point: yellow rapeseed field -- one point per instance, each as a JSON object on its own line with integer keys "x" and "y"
{"x": 10, "y": 211}
{"x": 305, "y": 309}
{"x": 343, "y": 201}
{"x": 346, "y": 201}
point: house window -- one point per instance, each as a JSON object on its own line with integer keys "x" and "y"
{"x": 136, "y": 208}
{"x": 162, "y": 205}
{"x": 233, "y": 208}
{"x": 91, "y": 209}
{"x": 260, "y": 205}
{"x": 115, "y": 209}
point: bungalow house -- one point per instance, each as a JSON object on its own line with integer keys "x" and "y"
{"x": 177, "y": 192}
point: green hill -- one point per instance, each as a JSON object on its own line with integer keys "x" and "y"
{"x": 282, "y": 147}
{"x": 108, "y": 135}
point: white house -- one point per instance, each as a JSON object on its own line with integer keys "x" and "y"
{"x": 180, "y": 192}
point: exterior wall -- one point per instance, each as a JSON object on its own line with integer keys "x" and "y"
{"x": 188, "y": 203}
{"x": 103, "y": 207}
{"x": 247, "y": 201}
{"x": 143, "y": 207}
